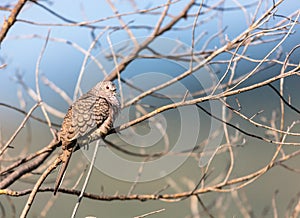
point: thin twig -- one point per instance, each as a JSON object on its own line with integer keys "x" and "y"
{"x": 37, "y": 86}
{"x": 11, "y": 19}
{"x": 150, "y": 213}
{"x": 7, "y": 144}
{"x": 86, "y": 180}
{"x": 37, "y": 185}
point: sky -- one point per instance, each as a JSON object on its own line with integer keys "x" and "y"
{"x": 62, "y": 62}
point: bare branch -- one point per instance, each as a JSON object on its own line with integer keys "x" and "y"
{"x": 11, "y": 19}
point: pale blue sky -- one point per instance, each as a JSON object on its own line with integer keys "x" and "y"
{"x": 61, "y": 63}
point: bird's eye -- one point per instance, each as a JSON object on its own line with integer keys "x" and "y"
{"x": 107, "y": 87}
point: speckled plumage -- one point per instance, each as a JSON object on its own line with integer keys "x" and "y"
{"x": 88, "y": 118}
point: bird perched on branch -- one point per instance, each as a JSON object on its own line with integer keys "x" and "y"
{"x": 89, "y": 118}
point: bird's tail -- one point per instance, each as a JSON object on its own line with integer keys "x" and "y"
{"x": 65, "y": 157}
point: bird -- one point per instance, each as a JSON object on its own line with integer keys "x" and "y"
{"x": 89, "y": 118}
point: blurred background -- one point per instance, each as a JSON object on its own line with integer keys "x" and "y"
{"x": 62, "y": 63}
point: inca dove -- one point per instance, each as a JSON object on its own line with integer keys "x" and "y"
{"x": 89, "y": 118}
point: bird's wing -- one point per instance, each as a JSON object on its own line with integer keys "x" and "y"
{"x": 84, "y": 116}
{"x": 101, "y": 111}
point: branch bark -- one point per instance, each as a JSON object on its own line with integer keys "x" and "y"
{"x": 11, "y": 19}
